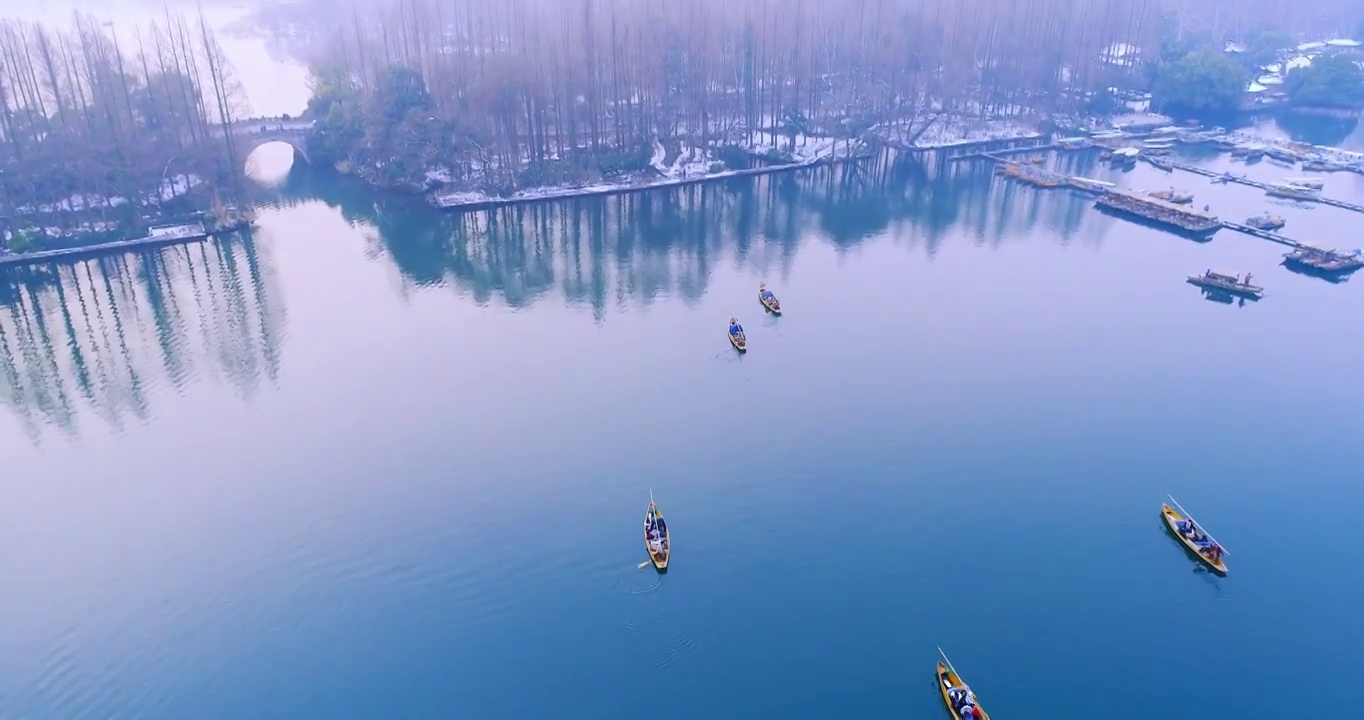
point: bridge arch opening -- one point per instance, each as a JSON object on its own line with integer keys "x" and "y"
{"x": 270, "y": 161}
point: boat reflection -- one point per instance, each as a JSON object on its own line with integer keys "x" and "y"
{"x": 1330, "y": 277}
{"x": 1223, "y": 297}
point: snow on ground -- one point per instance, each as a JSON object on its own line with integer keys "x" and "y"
{"x": 1137, "y": 120}
{"x": 692, "y": 165}
{"x": 178, "y": 185}
{"x": 807, "y": 149}
{"x": 660, "y": 154}
{"x": 692, "y": 162}
{"x": 948, "y": 132}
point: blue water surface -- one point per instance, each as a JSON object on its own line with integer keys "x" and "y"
{"x": 378, "y": 462}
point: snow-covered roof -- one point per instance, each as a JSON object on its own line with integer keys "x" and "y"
{"x": 1270, "y": 80}
{"x": 1315, "y": 45}
{"x": 1300, "y": 61}
{"x": 1273, "y": 69}
{"x": 1342, "y": 42}
{"x": 1255, "y": 88}
{"x": 1234, "y": 47}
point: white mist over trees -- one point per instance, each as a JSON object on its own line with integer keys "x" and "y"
{"x": 99, "y": 131}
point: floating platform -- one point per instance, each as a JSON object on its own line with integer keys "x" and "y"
{"x": 1228, "y": 283}
{"x": 1160, "y": 213}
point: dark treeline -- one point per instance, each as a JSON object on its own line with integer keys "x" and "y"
{"x": 499, "y": 94}
{"x": 486, "y": 89}
{"x": 100, "y": 131}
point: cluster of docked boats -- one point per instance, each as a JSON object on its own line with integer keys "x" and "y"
{"x": 737, "y": 337}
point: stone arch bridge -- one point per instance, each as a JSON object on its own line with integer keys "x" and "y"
{"x": 255, "y": 132}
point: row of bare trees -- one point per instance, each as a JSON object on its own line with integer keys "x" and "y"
{"x": 517, "y": 81}
{"x": 99, "y": 130}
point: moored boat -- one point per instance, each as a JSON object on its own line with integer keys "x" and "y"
{"x": 1292, "y": 192}
{"x": 657, "y": 536}
{"x": 1310, "y": 183}
{"x": 1266, "y": 221}
{"x": 1319, "y": 260}
{"x": 1124, "y": 156}
{"x": 768, "y": 299}
{"x": 956, "y": 694}
{"x": 1282, "y": 154}
{"x": 1228, "y": 282}
{"x": 736, "y": 336}
{"x": 1088, "y": 185}
{"x": 1193, "y": 537}
{"x": 1161, "y": 163}
{"x": 1178, "y": 197}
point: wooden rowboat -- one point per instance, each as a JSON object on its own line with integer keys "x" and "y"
{"x": 769, "y": 300}
{"x": 948, "y": 679}
{"x": 1172, "y": 519}
{"x": 655, "y": 524}
{"x": 737, "y": 338}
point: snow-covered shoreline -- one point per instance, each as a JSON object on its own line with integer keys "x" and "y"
{"x": 692, "y": 166}
{"x": 477, "y": 200}
{"x": 958, "y": 132}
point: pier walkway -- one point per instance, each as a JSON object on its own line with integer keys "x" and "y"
{"x": 1263, "y": 234}
{"x": 1263, "y": 186}
{"x": 998, "y": 157}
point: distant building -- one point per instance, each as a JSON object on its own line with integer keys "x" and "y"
{"x": 1121, "y": 54}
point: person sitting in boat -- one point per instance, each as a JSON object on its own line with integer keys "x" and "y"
{"x": 1186, "y": 527}
{"x": 735, "y": 329}
{"x": 961, "y": 697}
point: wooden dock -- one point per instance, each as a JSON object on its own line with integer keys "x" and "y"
{"x": 1263, "y": 234}
{"x": 1355, "y": 207}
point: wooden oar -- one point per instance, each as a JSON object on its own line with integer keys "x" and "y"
{"x": 1190, "y": 516}
{"x": 949, "y": 664}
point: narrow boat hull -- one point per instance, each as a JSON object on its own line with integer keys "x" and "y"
{"x": 659, "y": 560}
{"x": 1171, "y": 518}
{"x": 1250, "y": 292}
{"x": 945, "y": 673}
{"x": 739, "y": 342}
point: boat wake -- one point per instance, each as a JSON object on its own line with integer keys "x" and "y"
{"x": 642, "y": 586}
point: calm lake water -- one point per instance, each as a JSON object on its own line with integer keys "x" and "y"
{"x": 376, "y": 461}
